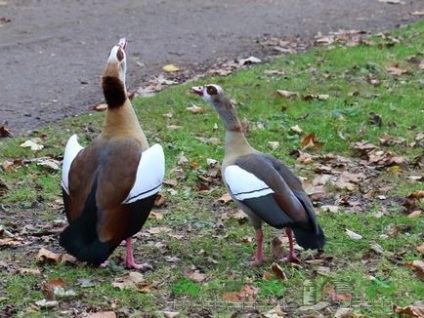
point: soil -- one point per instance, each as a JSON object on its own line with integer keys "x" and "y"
{"x": 52, "y": 52}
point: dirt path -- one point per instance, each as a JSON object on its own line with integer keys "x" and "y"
{"x": 52, "y": 51}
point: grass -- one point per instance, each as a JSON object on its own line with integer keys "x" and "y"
{"x": 216, "y": 245}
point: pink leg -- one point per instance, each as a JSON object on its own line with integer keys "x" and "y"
{"x": 292, "y": 258}
{"x": 129, "y": 261}
{"x": 259, "y": 258}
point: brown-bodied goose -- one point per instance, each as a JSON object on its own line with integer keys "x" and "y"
{"x": 264, "y": 188}
{"x": 110, "y": 186}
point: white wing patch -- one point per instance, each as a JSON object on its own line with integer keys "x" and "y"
{"x": 71, "y": 151}
{"x": 245, "y": 185}
{"x": 150, "y": 174}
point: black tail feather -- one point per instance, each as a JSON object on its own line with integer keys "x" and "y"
{"x": 308, "y": 239}
{"x": 80, "y": 237}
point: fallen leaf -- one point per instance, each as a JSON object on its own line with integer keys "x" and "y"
{"x": 392, "y": 1}
{"x": 421, "y": 248}
{"x": 276, "y": 312}
{"x": 250, "y": 60}
{"x": 418, "y": 266}
{"x": 278, "y": 271}
{"x": 47, "y": 303}
{"x": 45, "y": 255}
{"x": 170, "y": 314}
{"x": 273, "y": 144}
{"x": 330, "y": 208}
{"x": 296, "y": 129}
{"x": 396, "y": 71}
{"x": 344, "y": 313}
{"x": 417, "y": 13}
{"x": 414, "y": 214}
{"x": 132, "y": 280}
{"x": 5, "y": 132}
{"x": 156, "y": 215}
{"x": 286, "y": 94}
{"x": 48, "y": 162}
{"x": 195, "y": 109}
{"x": 33, "y": 144}
{"x": 159, "y": 229}
{"x": 274, "y": 72}
{"x": 353, "y": 235}
{"x": 8, "y": 166}
{"x": 33, "y": 271}
{"x": 171, "y": 68}
{"x": 410, "y": 311}
{"x": 99, "y": 107}
{"x": 103, "y": 314}
{"x": 197, "y": 277}
{"x": 160, "y": 200}
{"x": 376, "y": 247}
{"x": 239, "y": 215}
{"x": 309, "y": 141}
{"x": 225, "y": 198}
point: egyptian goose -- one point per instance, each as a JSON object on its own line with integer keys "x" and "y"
{"x": 264, "y": 188}
{"x": 110, "y": 186}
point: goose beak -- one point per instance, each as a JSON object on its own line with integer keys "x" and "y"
{"x": 197, "y": 90}
{"x": 123, "y": 43}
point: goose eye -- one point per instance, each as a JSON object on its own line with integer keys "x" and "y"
{"x": 211, "y": 90}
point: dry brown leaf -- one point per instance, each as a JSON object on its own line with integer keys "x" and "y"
{"x": 344, "y": 313}
{"x": 33, "y": 271}
{"x": 309, "y": 141}
{"x": 170, "y": 314}
{"x": 417, "y": 194}
{"x": 197, "y": 277}
{"x": 276, "y": 312}
{"x": 414, "y": 214}
{"x": 45, "y": 255}
{"x": 239, "y": 215}
{"x": 160, "y": 200}
{"x": 156, "y": 215}
{"x": 231, "y": 297}
{"x": 33, "y": 144}
{"x": 5, "y": 132}
{"x": 410, "y": 311}
{"x": 396, "y": 71}
{"x": 132, "y": 280}
{"x": 99, "y": 107}
{"x": 418, "y": 266}
{"x": 247, "y": 293}
{"x": 103, "y": 314}
{"x": 421, "y": 248}
{"x": 8, "y": 166}
{"x": 225, "y": 198}
{"x": 278, "y": 271}
{"x": 417, "y": 13}
{"x": 287, "y": 94}
{"x": 68, "y": 259}
{"x": 194, "y": 109}
{"x": 159, "y": 229}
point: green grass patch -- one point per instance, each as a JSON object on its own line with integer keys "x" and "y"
{"x": 358, "y": 80}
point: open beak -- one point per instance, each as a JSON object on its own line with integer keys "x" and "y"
{"x": 197, "y": 90}
{"x": 123, "y": 43}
